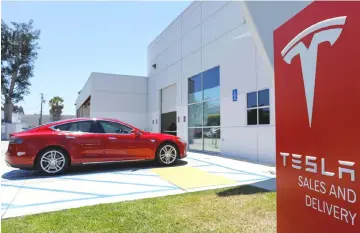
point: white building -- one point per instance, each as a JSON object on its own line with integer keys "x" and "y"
{"x": 120, "y": 97}
{"x": 210, "y": 80}
{"x": 16, "y": 117}
{"x": 7, "y": 128}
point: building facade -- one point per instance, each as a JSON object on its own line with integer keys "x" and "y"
{"x": 222, "y": 97}
{"x": 210, "y": 80}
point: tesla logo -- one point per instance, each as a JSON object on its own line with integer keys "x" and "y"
{"x": 312, "y": 166}
{"x": 308, "y": 56}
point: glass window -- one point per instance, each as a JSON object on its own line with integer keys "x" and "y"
{"x": 211, "y": 83}
{"x": 195, "y": 139}
{"x": 264, "y": 116}
{"x": 264, "y": 98}
{"x": 195, "y": 115}
{"x": 195, "y": 89}
{"x": 83, "y": 126}
{"x": 212, "y": 113}
{"x": 112, "y": 127}
{"x": 212, "y": 139}
{"x": 64, "y": 127}
{"x": 204, "y": 110}
{"x": 251, "y": 100}
{"x": 252, "y": 117}
{"x": 259, "y": 113}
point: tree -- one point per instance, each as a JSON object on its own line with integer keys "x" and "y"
{"x": 18, "y": 109}
{"x": 19, "y": 46}
{"x": 213, "y": 120}
{"x": 56, "y": 107}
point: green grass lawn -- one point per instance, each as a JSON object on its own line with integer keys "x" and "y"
{"x": 239, "y": 209}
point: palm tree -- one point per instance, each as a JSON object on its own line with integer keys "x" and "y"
{"x": 56, "y": 107}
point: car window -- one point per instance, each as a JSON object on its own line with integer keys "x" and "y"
{"x": 112, "y": 127}
{"x": 64, "y": 127}
{"x": 83, "y": 126}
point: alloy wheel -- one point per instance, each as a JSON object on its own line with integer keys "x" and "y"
{"x": 168, "y": 154}
{"x": 52, "y": 161}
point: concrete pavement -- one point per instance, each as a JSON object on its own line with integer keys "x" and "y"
{"x": 28, "y": 192}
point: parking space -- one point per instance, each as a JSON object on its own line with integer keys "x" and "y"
{"x": 28, "y": 192}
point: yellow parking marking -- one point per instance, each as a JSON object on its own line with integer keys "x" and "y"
{"x": 190, "y": 177}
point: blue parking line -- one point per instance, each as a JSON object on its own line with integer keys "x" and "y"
{"x": 53, "y": 190}
{"x": 115, "y": 182}
{"x": 23, "y": 177}
{"x": 4, "y": 205}
{"x": 202, "y": 165}
{"x": 91, "y": 198}
{"x": 214, "y": 164}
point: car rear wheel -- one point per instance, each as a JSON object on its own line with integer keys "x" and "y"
{"x": 167, "y": 154}
{"x": 53, "y": 161}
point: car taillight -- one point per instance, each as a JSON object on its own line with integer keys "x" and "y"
{"x": 15, "y": 140}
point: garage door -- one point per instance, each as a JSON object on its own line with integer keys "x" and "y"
{"x": 168, "y": 110}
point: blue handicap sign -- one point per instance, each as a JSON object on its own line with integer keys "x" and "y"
{"x": 234, "y": 95}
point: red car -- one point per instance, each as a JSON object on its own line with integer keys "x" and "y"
{"x": 53, "y": 147}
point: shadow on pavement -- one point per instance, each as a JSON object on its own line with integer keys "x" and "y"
{"x": 87, "y": 169}
{"x": 269, "y": 184}
{"x": 242, "y": 190}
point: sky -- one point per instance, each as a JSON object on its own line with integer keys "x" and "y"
{"x": 78, "y": 38}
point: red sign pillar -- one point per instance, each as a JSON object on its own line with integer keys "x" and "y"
{"x": 317, "y": 94}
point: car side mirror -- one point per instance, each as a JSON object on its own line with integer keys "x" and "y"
{"x": 133, "y": 131}
{"x": 137, "y": 133}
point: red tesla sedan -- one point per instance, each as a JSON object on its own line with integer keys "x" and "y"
{"x": 53, "y": 147}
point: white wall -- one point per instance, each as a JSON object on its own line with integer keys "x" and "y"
{"x": 206, "y": 35}
{"x": 85, "y": 92}
{"x": 168, "y": 99}
{"x": 263, "y": 17}
{"x": 9, "y": 128}
{"x": 15, "y": 118}
{"x": 242, "y": 69}
{"x": 120, "y": 97}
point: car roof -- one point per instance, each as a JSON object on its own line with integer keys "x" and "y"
{"x": 80, "y": 119}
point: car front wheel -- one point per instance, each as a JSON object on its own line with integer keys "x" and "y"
{"x": 53, "y": 161}
{"x": 167, "y": 154}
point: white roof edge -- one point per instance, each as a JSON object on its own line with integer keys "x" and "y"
{"x": 127, "y": 75}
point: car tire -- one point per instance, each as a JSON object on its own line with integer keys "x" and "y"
{"x": 53, "y": 161}
{"x": 167, "y": 154}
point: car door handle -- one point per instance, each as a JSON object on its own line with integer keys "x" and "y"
{"x": 112, "y": 138}
{"x": 70, "y": 137}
